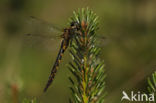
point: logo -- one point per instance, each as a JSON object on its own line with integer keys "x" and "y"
{"x": 137, "y": 96}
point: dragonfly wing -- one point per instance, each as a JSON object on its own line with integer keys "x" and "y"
{"x": 38, "y": 27}
{"x": 41, "y": 43}
{"x": 38, "y": 33}
{"x": 101, "y": 40}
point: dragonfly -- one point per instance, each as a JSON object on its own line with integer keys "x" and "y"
{"x": 45, "y": 30}
{"x": 66, "y": 37}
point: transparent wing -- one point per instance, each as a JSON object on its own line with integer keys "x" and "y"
{"x": 39, "y": 33}
{"x": 38, "y": 42}
{"x": 38, "y": 27}
{"x": 101, "y": 41}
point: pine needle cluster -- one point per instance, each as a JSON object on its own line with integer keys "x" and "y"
{"x": 88, "y": 81}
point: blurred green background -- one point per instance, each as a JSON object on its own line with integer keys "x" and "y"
{"x": 129, "y": 52}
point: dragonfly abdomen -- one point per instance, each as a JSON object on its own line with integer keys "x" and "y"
{"x": 63, "y": 47}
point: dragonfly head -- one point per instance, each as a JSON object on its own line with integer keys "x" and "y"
{"x": 75, "y": 25}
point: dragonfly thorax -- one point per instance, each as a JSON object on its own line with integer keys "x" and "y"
{"x": 71, "y": 31}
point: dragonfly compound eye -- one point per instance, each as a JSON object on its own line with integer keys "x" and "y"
{"x": 75, "y": 25}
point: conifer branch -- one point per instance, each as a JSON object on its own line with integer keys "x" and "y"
{"x": 86, "y": 66}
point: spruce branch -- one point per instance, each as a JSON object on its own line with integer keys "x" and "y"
{"x": 86, "y": 66}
